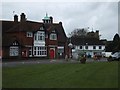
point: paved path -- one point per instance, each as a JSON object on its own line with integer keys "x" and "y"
{"x": 45, "y": 61}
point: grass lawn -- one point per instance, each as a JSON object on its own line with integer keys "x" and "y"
{"x": 89, "y": 75}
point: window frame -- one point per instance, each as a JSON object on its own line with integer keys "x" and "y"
{"x": 14, "y": 51}
{"x": 81, "y": 47}
{"x": 29, "y": 34}
{"x": 41, "y": 28}
{"x": 94, "y": 47}
{"x": 40, "y": 51}
{"x": 53, "y": 36}
{"x": 100, "y": 47}
{"x": 86, "y": 47}
{"x": 39, "y": 36}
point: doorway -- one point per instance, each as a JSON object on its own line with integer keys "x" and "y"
{"x": 52, "y": 53}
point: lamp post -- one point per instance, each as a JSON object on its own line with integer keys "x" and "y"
{"x": 86, "y": 48}
{"x": 70, "y": 45}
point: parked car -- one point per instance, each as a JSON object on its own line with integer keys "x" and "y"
{"x": 114, "y": 57}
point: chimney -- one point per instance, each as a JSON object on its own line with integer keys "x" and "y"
{"x": 23, "y": 17}
{"x": 15, "y": 18}
{"x": 51, "y": 19}
{"x": 60, "y": 23}
{"x": 97, "y": 32}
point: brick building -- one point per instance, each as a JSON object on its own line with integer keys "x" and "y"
{"x": 28, "y": 39}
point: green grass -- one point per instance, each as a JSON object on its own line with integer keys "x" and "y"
{"x": 89, "y": 75}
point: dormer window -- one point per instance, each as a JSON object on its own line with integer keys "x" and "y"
{"x": 29, "y": 34}
{"x": 41, "y": 28}
{"x": 53, "y": 31}
{"x": 15, "y": 43}
{"x": 53, "y": 36}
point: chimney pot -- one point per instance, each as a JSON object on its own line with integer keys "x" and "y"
{"x": 23, "y": 17}
{"x": 15, "y": 18}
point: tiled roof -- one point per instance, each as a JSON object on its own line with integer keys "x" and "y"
{"x": 6, "y": 25}
{"x": 25, "y": 26}
{"x": 86, "y": 40}
{"x": 31, "y": 26}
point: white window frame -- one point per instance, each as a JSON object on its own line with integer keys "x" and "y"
{"x": 40, "y": 51}
{"x": 29, "y": 34}
{"x": 39, "y": 36}
{"x": 53, "y": 31}
{"x": 15, "y": 43}
{"x": 35, "y": 36}
{"x": 53, "y": 36}
{"x": 41, "y": 28}
{"x": 30, "y": 51}
{"x": 14, "y": 51}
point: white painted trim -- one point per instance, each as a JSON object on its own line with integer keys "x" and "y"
{"x": 60, "y": 47}
{"x": 52, "y": 46}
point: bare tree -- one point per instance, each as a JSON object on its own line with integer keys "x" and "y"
{"x": 78, "y": 32}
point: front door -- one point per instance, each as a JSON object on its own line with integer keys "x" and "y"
{"x": 52, "y": 54}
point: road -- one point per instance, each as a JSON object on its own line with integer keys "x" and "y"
{"x": 46, "y": 61}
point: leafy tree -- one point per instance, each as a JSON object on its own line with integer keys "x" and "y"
{"x": 114, "y": 46}
{"x": 116, "y": 43}
{"x": 116, "y": 39}
{"x": 78, "y": 32}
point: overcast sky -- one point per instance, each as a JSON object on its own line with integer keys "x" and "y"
{"x": 102, "y": 16}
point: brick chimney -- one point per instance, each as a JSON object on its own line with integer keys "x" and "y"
{"x": 15, "y": 18}
{"x": 60, "y": 23}
{"x": 51, "y": 19}
{"x": 23, "y": 17}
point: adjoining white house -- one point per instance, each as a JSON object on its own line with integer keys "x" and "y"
{"x": 89, "y": 49}
{"x": 90, "y": 46}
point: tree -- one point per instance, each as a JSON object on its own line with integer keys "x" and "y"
{"x": 78, "y": 32}
{"x": 116, "y": 39}
{"x": 116, "y": 43}
{"x": 109, "y": 46}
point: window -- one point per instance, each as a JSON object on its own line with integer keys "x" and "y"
{"x": 30, "y": 51}
{"x": 29, "y": 34}
{"x": 39, "y": 36}
{"x": 53, "y": 36}
{"x": 15, "y": 43}
{"x": 14, "y": 51}
{"x": 53, "y": 31}
{"x": 100, "y": 47}
{"x": 40, "y": 51}
{"x": 94, "y": 47}
{"x": 41, "y": 28}
{"x": 80, "y": 47}
{"x": 61, "y": 51}
{"x": 86, "y": 47}
{"x": 35, "y": 37}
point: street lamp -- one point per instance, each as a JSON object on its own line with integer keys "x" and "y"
{"x": 70, "y": 45}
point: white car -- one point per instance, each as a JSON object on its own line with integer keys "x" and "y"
{"x": 115, "y": 56}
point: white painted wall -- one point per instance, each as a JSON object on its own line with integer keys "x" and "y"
{"x": 39, "y": 43}
{"x": 89, "y": 51}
